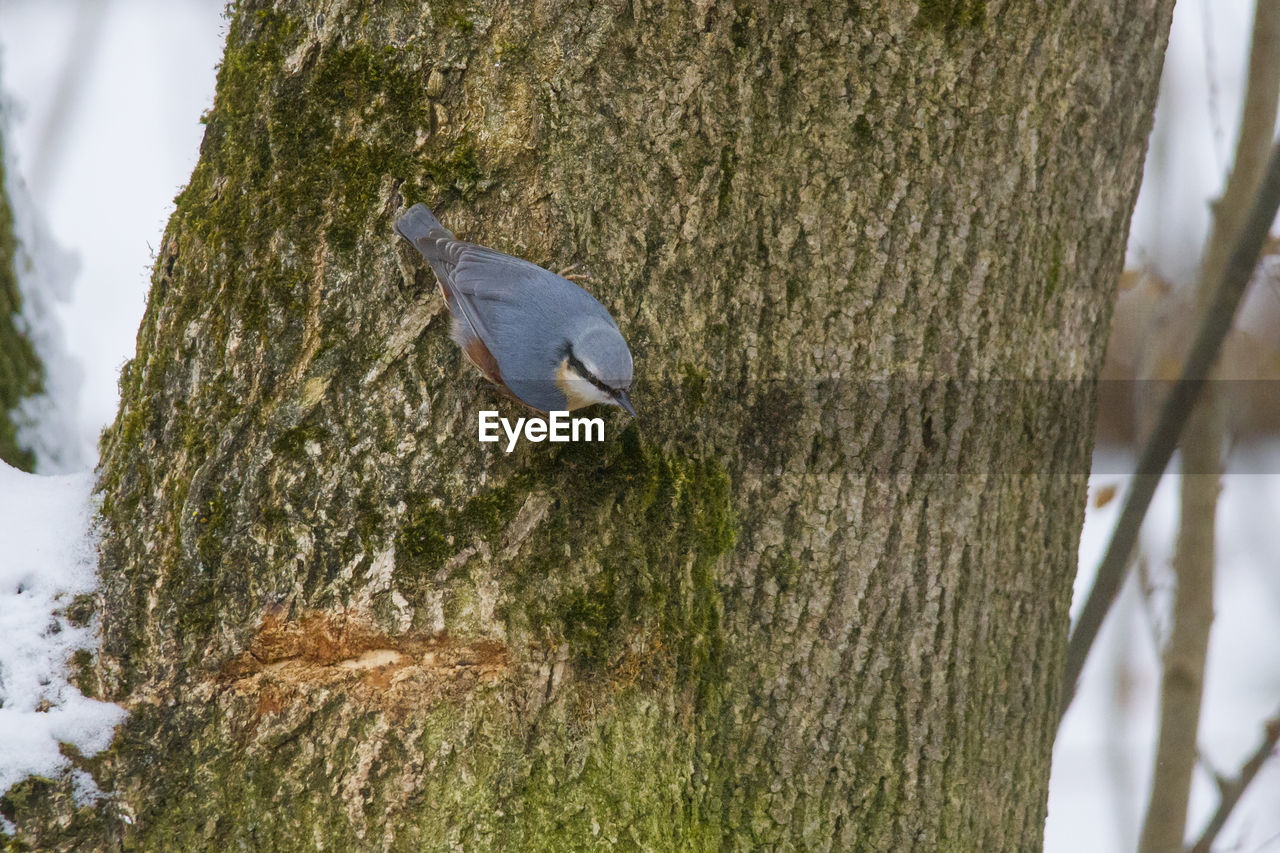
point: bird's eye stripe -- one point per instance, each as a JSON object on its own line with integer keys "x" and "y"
{"x": 577, "y": 365}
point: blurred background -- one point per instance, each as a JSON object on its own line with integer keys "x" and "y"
{"x": 100, "y": 105}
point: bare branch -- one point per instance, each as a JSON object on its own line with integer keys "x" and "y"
{"x": 1239, "y": 232}
{"x": 1220, "y": 781}
{"x": 1211, "y": 82}
{"x": 1173, "y": 418}
{"x": 1182, "y": 682}
{"x": 82, "y": 52}
{"x": 1233, "y": 790}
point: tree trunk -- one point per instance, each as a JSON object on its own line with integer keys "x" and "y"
{"x": 815, "y": 597}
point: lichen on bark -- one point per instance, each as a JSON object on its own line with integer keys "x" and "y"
{"x": 807, "y": 600}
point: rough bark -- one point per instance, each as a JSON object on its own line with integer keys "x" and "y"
{"x": 816, "y": 597}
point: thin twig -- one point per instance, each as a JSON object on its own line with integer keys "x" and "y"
{"x": 1146, "y": 597}
{"x": 1173, "y": 417}
{"x": 82, "y": 52}
{"x": 1206, "y": 767}
{"x": 1234, "y": 789}
{"x": 1211, "y": 82}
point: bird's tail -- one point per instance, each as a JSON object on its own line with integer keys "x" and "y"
{"x": 419, "y": 223}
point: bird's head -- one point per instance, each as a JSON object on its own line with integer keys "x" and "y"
{"x": 596, "y": 368}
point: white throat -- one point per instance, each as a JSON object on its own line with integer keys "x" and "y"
{"x": 579, "y": 390}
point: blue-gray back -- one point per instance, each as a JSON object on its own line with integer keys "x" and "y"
{"x": 525, "y": 315}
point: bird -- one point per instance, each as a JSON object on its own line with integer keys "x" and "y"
{"x": 537, "y": 336}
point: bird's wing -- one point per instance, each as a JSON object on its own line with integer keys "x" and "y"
{"x": 513, "y": 307}
{"x": 512, "y": 304}
{"x": 490, "y": 278}
{"x": 519, "y": 310}
{"x": 445, "y": 254}
{"x": 437, "y": 244}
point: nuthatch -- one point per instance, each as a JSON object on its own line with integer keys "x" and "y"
{"x": 536, "y": 335}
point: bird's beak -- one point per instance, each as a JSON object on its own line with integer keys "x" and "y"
{"x": 625, "y": 402}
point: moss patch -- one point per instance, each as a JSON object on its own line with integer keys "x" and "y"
{"x": 951, "y": 16}
{"x": 513, "y": 786}
{"x": 347, "y": 118}
{"x": 1053, "y": 277}
{"x": 643, "y": 532}
{"x": 431, "y": 533}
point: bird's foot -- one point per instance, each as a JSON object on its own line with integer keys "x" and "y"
{"x": 568, "y": 273}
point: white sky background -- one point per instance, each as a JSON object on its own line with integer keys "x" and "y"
{"x": 131, "y": 139}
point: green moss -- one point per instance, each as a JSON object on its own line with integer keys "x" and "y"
{"x": 274, "y": 516}
{"x": 862, "y": 131}
{"x": 647, "y": 529}
{"x": 1053, "y": 278}
{"x": 80, "y": 611}
{"x": 210, "y": 518}
{"x": 50, "y": 815}
{"x": 21, "y": 374}
{"x": 515, "y": 786}
{"x": 459, "y": 169}
{"x": 423, "y": 543}
{"x": 951, "y": 16}
{"x": 293, "y": 442}
{"x": 430, "y": 534}
{"x": 83, "y": 674}
{"x": 369, "y": 522}
{"x": 594, "y": 619}
{"x": 24, "y": 794}
{"x": 512, "y": 51}
{"x": 728, "y": 168}
{"x": 694, "y": 387}
{"x": 632, "y": 540}
{"x": 293, "y": 143}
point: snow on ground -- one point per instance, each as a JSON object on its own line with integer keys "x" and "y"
{"x": 48, "y": 559}
{"x": 128, "y": 141}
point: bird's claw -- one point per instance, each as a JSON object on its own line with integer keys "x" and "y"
{"x": 572, "y": 276}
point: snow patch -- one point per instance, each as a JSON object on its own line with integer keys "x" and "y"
{"x": 47, "y": 557}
